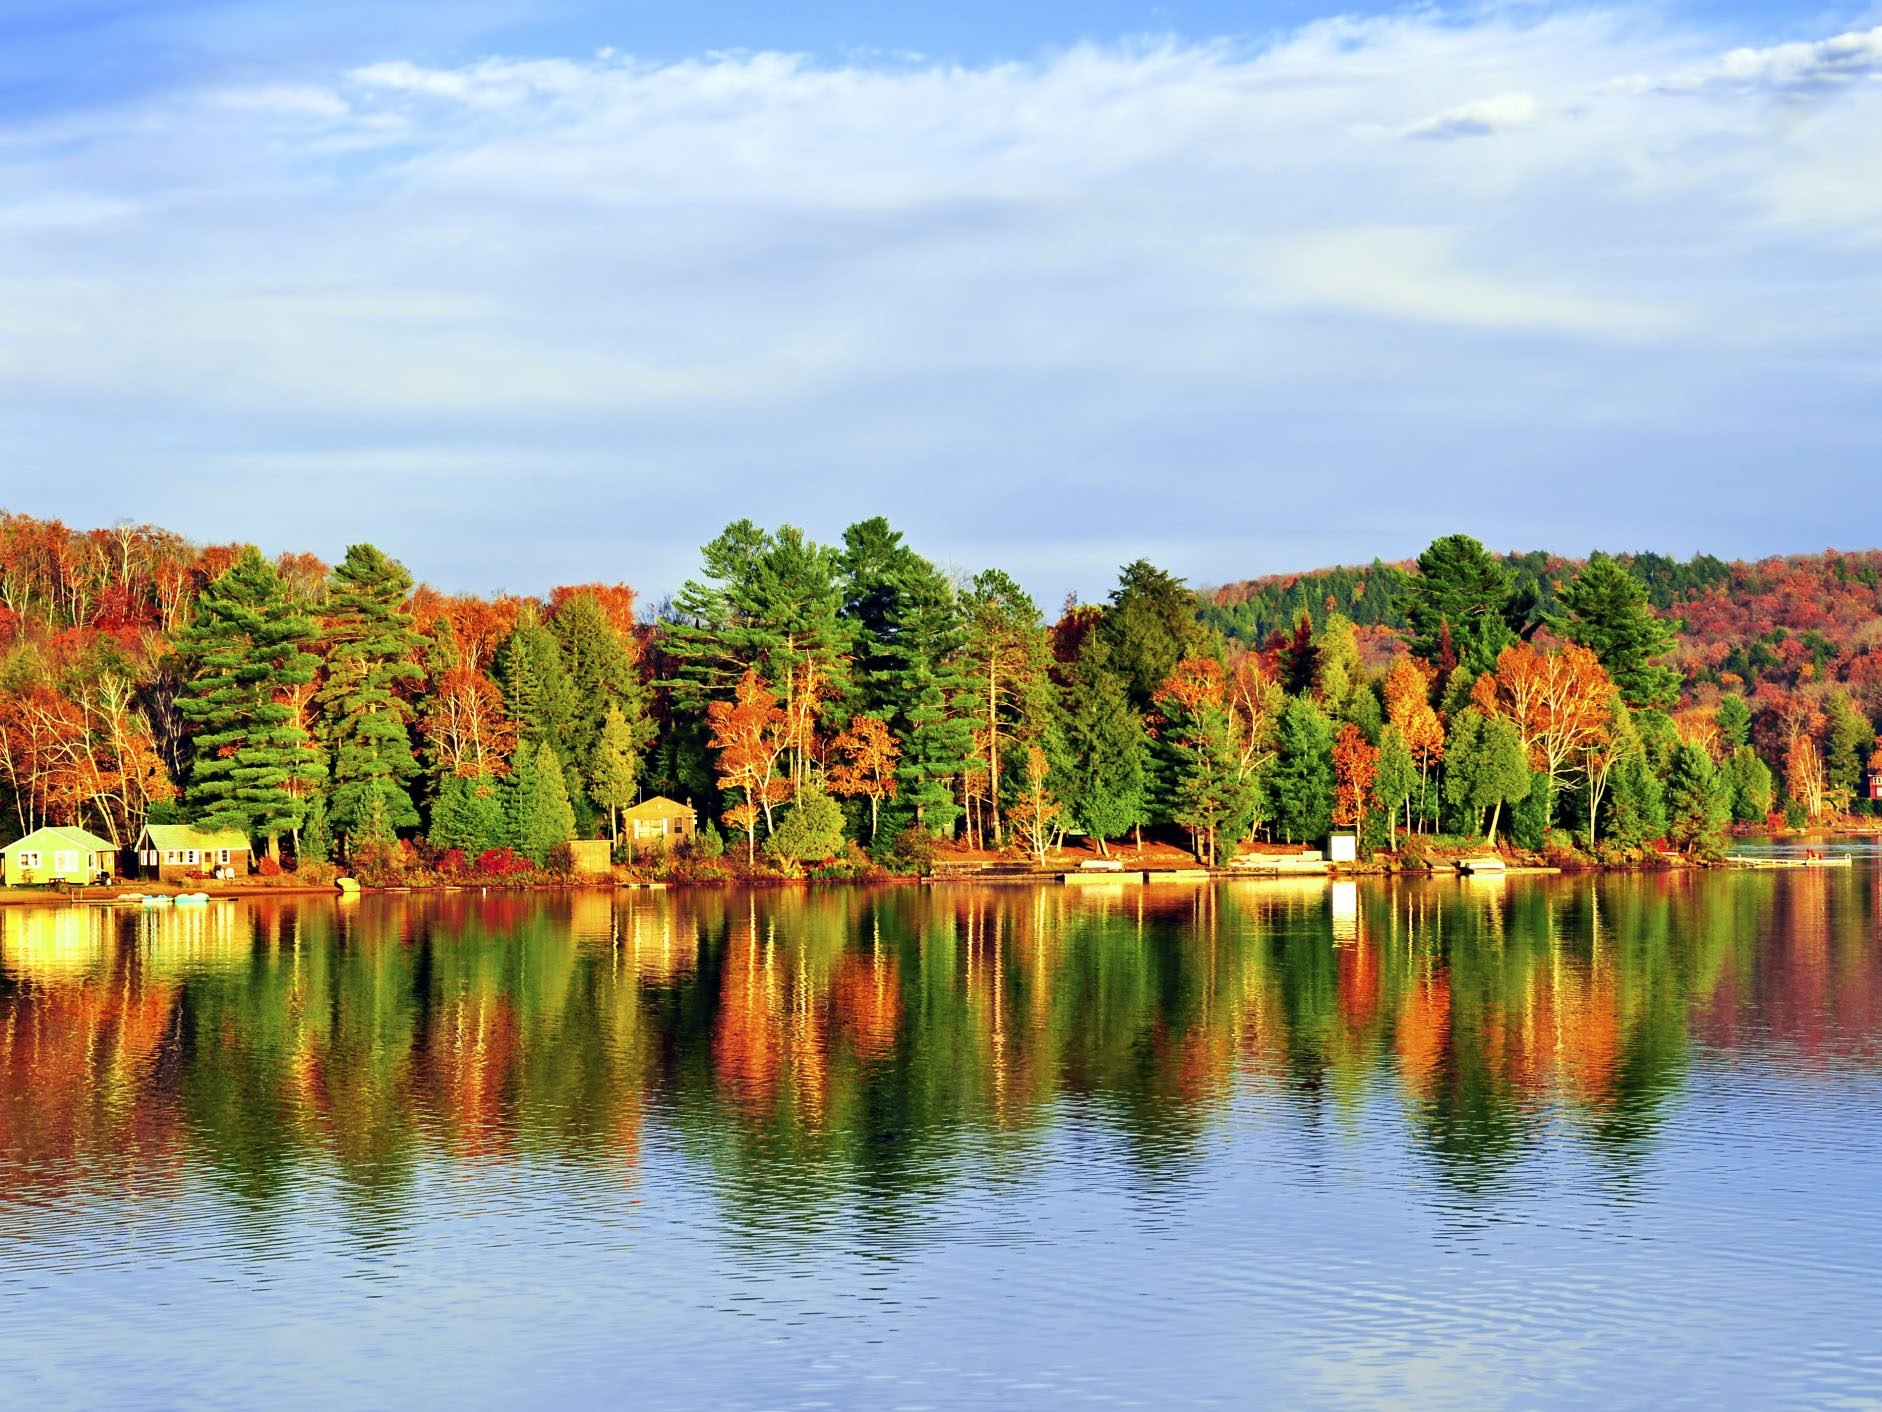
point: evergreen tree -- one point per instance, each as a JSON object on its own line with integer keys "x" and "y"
{"x": 1752, "y": 788}
{"x": 1733, "y": 718}
{"x": 602, "y": 681}
{"x": 1300, "y": 785}
{"x": 469, "y": 814}
{"x": 614, "y": 767}
{"x": 370, "y": 650}
{"x": 1848, "y": 742}
{"x": 773, "y": 602}
{"x": 880, "y": 576}
{"x": 536, "y": 688}
{"x": 1205, "y": 789}
{"x": 930, "y": 720}
{"x": 1636, "y": 806}
{"x": 1698, "y": 803}
{"x": 1607, "y": 612}
{"x": 1485, "y": 767}
{"x": 1460, "y": 601}
{"x": 1150, "y": 625}
{"x": 254, "y": 764}
{"x": 540, "y": 814}
{"x": 1102, "y": 770}
{"x": 315, "y": 841}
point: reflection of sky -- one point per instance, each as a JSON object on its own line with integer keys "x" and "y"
{"x": 1701, "y": 1230}
{"x": 447, "y": 277}
{"x": 1291, "y": 1263}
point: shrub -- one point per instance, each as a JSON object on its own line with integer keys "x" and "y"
{"x": 561, "y": 860}
{"x": 914, "y": 850}
{"x": 316, "y": 872}
{"x": 502, "y": 863}
{"x": 810, "y": 831}
{"x": 267, "y": 867}
{"x": 452, "y": 863}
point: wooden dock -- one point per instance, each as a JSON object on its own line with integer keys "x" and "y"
{"x": 1839, "y": 860}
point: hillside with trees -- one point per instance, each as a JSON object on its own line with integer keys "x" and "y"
{"x": 843, "y": 707}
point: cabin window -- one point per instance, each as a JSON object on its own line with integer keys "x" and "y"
{"x": 222, "y": 855}
{"x": 169, "y": 855}
{"x": 29, "y": 860}
{"x": 64, "y": 862}
{"x": 189, "y": 855}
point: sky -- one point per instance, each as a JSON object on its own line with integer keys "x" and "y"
{"x": 531, "y": 292}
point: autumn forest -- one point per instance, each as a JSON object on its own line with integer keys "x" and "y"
{"x": 845, "y": 709}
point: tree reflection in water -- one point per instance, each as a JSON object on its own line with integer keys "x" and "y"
{"x": 807, "y": 1045}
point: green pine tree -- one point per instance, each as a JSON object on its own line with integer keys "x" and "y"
{"x": 254, "y": 765}
{"x": 1734, "y": 721}
{"x": 929, "y": 720}
{"x": 1301, "y": 782}
{"x": 1751, "y": 785}
{"x": 1636, "y": 804}
{"x": 614, "y": 769}
{"x": 1607, "y": 612}
{"x": 540, "y": 813}
{"x": 1459, "y": 605}
{"x": 600, "y": 667}
{"x": 315, "y": 842}
{"x": 1698, "y": 803}
{"x": 1104, "y": 748}
{"x": 371, "y": 649}
{"x": 536, "y": 688}
{"x": 469, "y": 814}
{"x": 1150, "y": 625}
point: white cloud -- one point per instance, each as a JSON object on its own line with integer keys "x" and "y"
{"x": 890, "y": 278}
{"x": 1479, "y": 119}
{"x": 1821, "y": 66}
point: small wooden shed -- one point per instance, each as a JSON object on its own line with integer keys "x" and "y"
{"x": 590, "y": 857}
{"x": 174, "y": 852}
{"x": 58, "y": 854}
{"x": 659, "y": 818}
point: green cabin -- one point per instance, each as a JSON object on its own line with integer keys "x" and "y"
{"x": 58, "y": 854}
{"x": 180, "y": 853}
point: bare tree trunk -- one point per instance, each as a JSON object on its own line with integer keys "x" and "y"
{"x": 993, "y": 743}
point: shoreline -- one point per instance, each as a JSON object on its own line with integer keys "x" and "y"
{"x": 1071, "y": 877}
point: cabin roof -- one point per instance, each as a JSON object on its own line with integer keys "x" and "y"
{"x": 659, "y": 807}
{"x": 172, "y": 836}
{"x": 68, "y": 834}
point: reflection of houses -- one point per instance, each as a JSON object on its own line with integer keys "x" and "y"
{"x": 171, "y": 852}
{"x": 58, "y": 855}
{"x": 659, "y": 817}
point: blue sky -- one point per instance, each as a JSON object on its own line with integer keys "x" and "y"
{"x": 537, "y": 292}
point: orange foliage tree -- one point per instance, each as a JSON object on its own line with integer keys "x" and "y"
{"x": 1558, "y": 702}
{"x": 863, "y": 764}
{"x": 1355, "y": 765}
{"x": 1035, "y": 816}
{"x": 1408, "y": 706}
{"x": 751, "y": 732}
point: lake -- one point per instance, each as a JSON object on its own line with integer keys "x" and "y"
{"x": 1445, "y": 1143}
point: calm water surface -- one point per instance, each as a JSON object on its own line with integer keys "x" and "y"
{"x": 1527, "y": 1143}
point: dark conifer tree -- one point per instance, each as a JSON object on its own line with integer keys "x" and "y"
{"x": 254, "y": 765}
{"x": 371, "y": 650}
